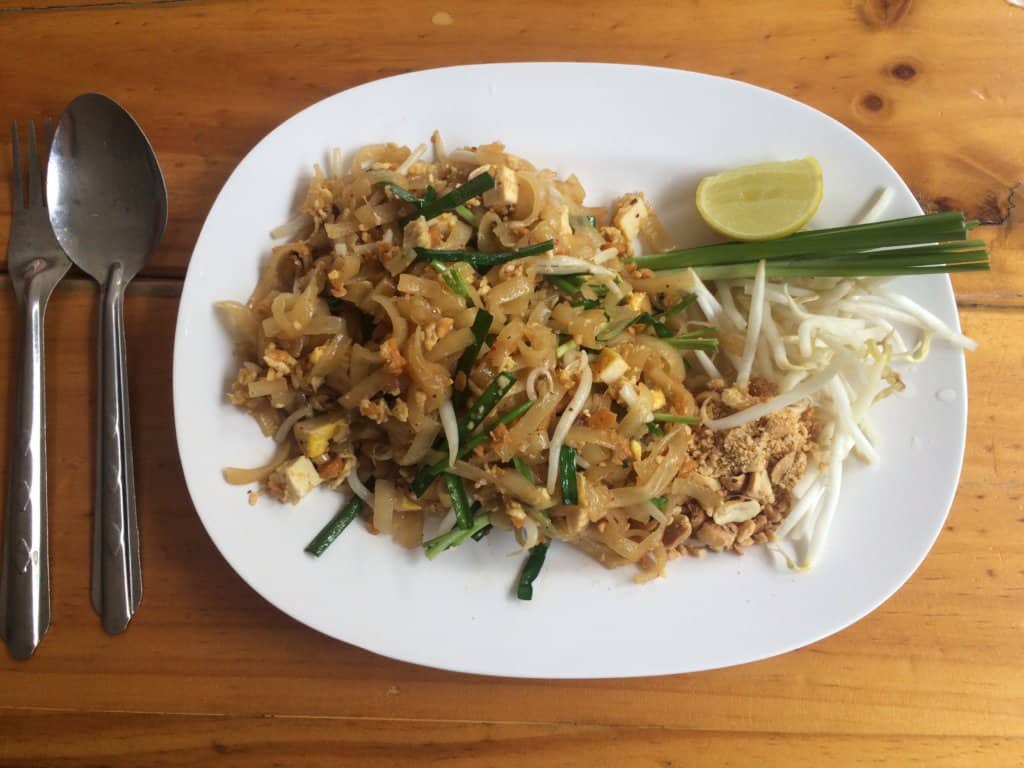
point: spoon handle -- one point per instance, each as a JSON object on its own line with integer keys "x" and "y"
{"x": 25, "y": 579}
{"x": 116, "y": 584}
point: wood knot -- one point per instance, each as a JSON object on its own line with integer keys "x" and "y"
{"x": 872, "y": 102}
{"x": 904, "y": 71}
{"x": 991, "y": 207}
{"x": 876, "y": 14}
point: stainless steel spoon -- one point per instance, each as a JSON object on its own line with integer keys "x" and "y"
{"x": 108, "y": 208}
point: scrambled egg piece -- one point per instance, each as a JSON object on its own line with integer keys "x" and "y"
{"x": 314, "y": 435}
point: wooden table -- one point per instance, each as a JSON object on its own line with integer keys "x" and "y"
{"x": 209, "y": 674}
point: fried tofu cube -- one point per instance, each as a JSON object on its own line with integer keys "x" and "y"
{"x": 610, "y": 366}
{"x": 630, "y": 215}
{"x": 296, "y": 478}
{"x": 505, "y": 191}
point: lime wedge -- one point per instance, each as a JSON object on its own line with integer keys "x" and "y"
{"x": 763, "y": 201}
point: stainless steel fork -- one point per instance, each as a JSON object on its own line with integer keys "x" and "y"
{"x": 36, "y": 263}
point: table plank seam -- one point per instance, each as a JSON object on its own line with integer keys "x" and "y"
{"x": 101, "y": 5}
{"x": 591, "y": 724}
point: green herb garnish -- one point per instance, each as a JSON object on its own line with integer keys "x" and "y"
{"x": 460, "y": 501}
{"x": 453, "y": 278}
{"x": 567, "y": 475}
{"x": 531, "y": 570}
{"x": 523, "y": 469}
{"x": 477, "y": 530}
{"x": 335, "y": 527}
{"x": 676, "y": 418}
{"x": 935, "y": 243}
{"x": 453, "y": 199}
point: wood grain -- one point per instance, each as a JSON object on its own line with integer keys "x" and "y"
{"x": 930, "y": 84}
{"x": 209, "y": 673}
{"x": 162, "y": 740}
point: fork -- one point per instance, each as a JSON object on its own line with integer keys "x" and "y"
{"x": 36, "y": 263}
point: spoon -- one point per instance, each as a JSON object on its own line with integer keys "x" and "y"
{"x": 108, "y": 209}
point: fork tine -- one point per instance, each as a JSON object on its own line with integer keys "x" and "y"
{"x": 35, "y": 183}
{"x": 17, "y": 188}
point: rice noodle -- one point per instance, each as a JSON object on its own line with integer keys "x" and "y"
{"x": 240, "y": 476}
{"x": 531, "y": 381}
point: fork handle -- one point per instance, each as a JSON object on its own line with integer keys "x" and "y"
{"x": 25, "y": 575}
{"x": 116, "y": 579}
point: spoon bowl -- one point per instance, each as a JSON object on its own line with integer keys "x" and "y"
{"x": 106, "y": 194}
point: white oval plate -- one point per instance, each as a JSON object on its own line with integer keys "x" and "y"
{"x": 619, "y": 128}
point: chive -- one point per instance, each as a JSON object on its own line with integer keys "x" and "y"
{"x": 933, "y": 262}
{"x": 481, "y": 325}
{"x": 567, "y": 471}
{"x": 693, "y": 342}
{"x": 507, "y": 418}
{"x": 460, "y": 501}
{"x": 661, "y": 502}
{"x": 458, "y": 196}
{"x": 915, "y": 245}
{"x": 426, "y": 476}
{"x": 661, "y": 330}
{"x": 679, "y": 306}
{"x": 564, "y": 347}
{"x": 523, "y": 469}
{"x": 403, "y": 194}
{"x": 335, "y": 527}
{"x": 569, "y": 284}
{"x": 675, "y": 418}
{"x": 456, "y": 536}
{"x": 479, "y": 260}
{"x": 453, "y": 278}
{"x": 655, "y": 429}
{"x": 482, "y": 532}
{"x": 466, "y": 215}
{"x": 484, "y": 404}
{"x": 531, "y": 570}
{"x": 611, "y": 331}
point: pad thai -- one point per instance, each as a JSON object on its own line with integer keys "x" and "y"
{"x": 466, "y": 346}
